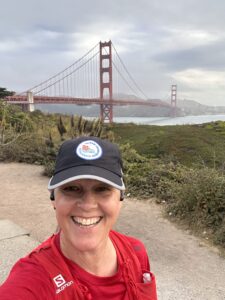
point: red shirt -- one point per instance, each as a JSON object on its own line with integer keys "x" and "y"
{"x": 29, "y": 280}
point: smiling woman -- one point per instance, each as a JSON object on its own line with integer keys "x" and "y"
{"x": 85, "y": 259}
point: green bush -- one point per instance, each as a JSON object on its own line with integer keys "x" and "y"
{"x": 199, "y": 200}
{"x": 49, "y": 166}
{"x": 195, "y": 196}
{"x": 29, "y": 148}
{"x": 148, "y": 177}
{"x": 200, "y": 191}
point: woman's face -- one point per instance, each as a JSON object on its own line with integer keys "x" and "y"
{"x": 86, "y": 210}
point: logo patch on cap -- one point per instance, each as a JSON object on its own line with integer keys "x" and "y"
{"x": 89, "y": 150}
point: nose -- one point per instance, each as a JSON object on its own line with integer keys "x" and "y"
{"x": 87, "y": 202}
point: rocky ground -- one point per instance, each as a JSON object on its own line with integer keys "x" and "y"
{"x": 185, "y": 266}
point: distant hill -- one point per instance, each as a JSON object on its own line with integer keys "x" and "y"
{"x": 192, "y": 107}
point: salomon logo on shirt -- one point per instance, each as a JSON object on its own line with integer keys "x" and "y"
{"x": 61, "y": 283}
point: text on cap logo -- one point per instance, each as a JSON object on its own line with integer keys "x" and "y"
{"x": 89, "y": 150}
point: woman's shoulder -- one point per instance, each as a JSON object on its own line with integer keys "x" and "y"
{"x": 137, "y": 246}
{"x": 27, "y": 280}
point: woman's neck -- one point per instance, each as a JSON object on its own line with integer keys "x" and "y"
{"x": 100, "y": 262}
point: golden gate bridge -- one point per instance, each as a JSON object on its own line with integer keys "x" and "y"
{"x": 98, "y": 77}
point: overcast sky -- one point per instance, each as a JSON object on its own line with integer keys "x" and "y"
{"x": 161, "y": 42}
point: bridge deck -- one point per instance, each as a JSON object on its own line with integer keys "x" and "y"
{"x": 83, "y": 101}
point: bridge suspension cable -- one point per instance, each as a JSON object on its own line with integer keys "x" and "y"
{"x": 129, "y": 76}
{"x": 73, "y": 80}
{"x": 65, "y": 76}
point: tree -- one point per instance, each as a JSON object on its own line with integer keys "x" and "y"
{"x": 4, "y": 93}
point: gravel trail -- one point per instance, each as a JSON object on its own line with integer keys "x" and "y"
{"x": 185, "y": 266}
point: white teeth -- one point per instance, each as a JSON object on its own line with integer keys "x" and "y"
{"x": 86, "y": 222}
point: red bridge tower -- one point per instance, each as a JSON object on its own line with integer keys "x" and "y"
{"x": 174, "y": 100}
{"x": 106, "y": 110}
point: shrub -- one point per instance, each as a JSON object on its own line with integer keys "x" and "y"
{"x": 29, "y": 148}
{"x": 195, "y": 196}
{"x": 199, "y": 200}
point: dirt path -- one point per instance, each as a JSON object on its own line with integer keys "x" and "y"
{"x": 185, "y": 267}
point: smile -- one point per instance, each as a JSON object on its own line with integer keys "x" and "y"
{"x": 86, "y": 221}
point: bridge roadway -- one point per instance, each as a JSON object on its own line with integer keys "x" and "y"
{"x": 18, "y": 99}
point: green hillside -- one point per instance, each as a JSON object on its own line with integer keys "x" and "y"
{"x": 190, "y": 144}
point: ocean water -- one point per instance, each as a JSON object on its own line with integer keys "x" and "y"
{"x": 171, "y": 121}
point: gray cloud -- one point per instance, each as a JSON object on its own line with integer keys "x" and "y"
{"x": 210, "y": 57}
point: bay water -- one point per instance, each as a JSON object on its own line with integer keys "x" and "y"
{"x": 162, "y": 121}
